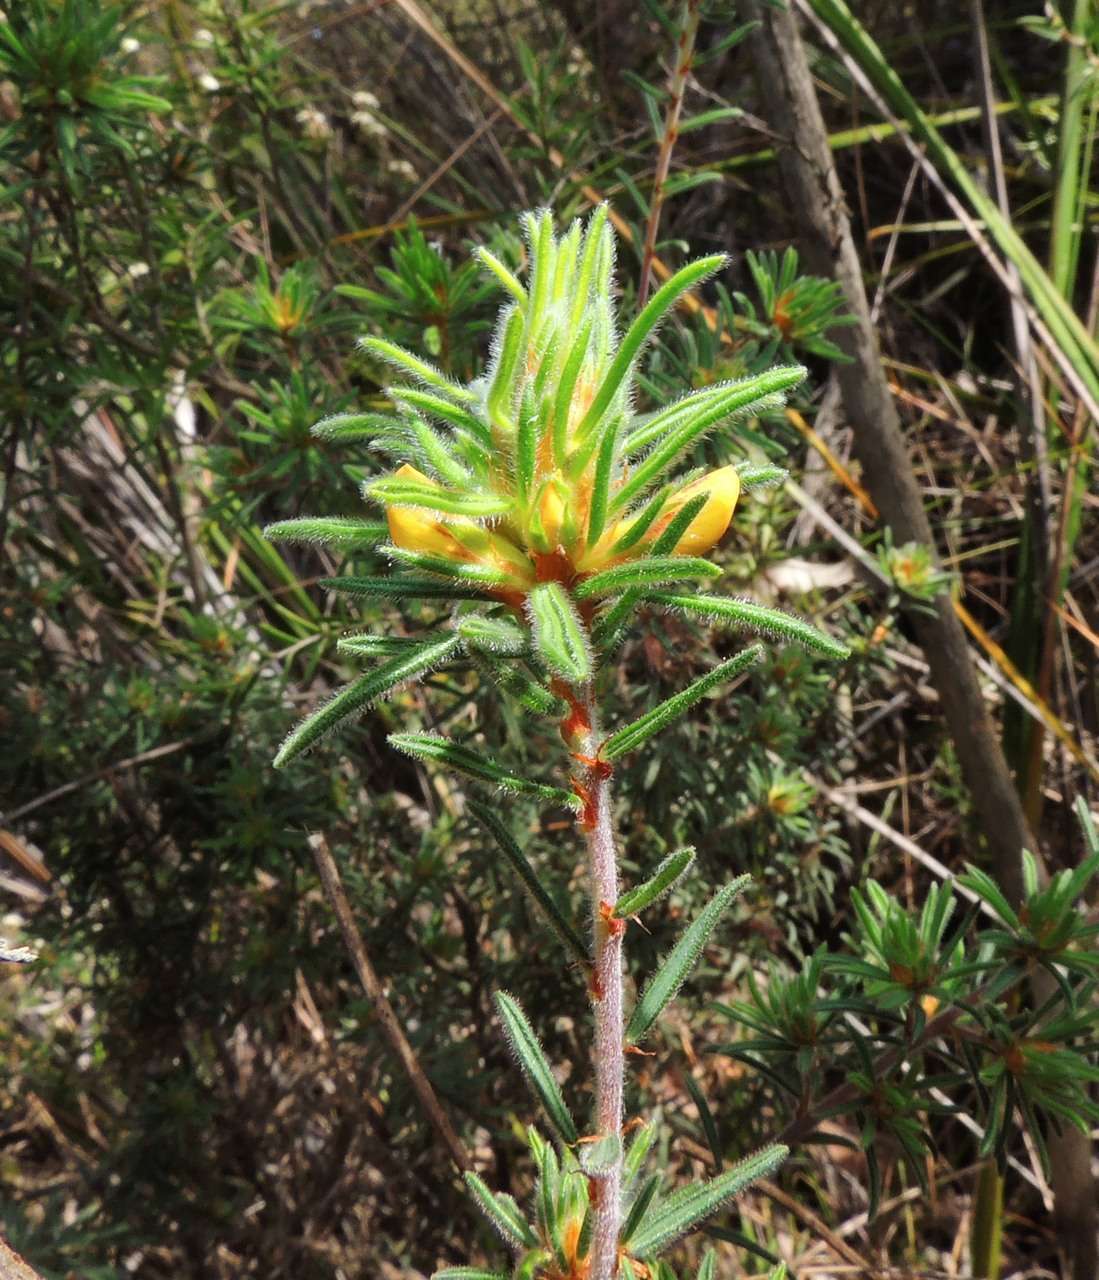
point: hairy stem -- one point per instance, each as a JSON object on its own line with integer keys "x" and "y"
{"x": 609, "y": 1049}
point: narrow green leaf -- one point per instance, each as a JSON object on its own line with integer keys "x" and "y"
{"x": 643, "y": 521}
{"x": 533, "y": 1062}
{"x": 707, "y": 1268}
{"x": 437, "y": 452}
{"x": 494, "y": 635}
{"x": 656, "y": 425}
{"x": 453, "y": 414}
{"x": 539, "y": 894}
{"x": 338, "y": 531}
{"x": 671, "y": 975}
{"x": 760, "y": 477}
{"x": 736, "y": 399}
{"x": 493, "y": 264}
{"x": 485, "y": 576}
{"x": 565, "y": 387}
{"x": 504, "y": 1214}
{"x": 348, "y": 427}
{"x": 401, "y": 588}
{"x": 640, "y": 1207}
{"x": 602, "y": 1156}
{"x": 364, "y": 646}
{"x": 595, "y": 237}
{"x": 631, "y": 736}
{"x": 526, "y": 445}
{"x": 502, "y": 386}
{"x": 658, "y": 884}
{"x": 469, "y": 1273}
{"x": 361, "y": 693}
{"x": 643, "y": 573}
{"x": 558, "y": 632}
{"x": 679, "y": 524}
{"x": 610, "y": 624}
{"x": 539, "y": 229}
{"x": 706, "y": 1117}
{"x": 658, "y": 306}
{"x": 601, "y": 485}
{"x": 748, "y": 615}
{"x": 419, "y": 369}
{"x": 690, "y": 1205}
{"x": 398, "y": 492}
{"x": 639, "y": 1148}
{"x": 515, "y": 680}
{"x": 430, "y": 746}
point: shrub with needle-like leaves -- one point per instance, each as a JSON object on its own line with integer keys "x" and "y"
{"x": 546, "y": 509}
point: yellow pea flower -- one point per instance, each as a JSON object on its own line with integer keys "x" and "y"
{"x": 457, "y": 539}
{"x": 722, "y": 488}
{"x": 414, "y": 530}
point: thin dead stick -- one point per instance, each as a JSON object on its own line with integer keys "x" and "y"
{"x": 391, "y": 1028}
{"x": 445, "y": 166}
{"x": 129, "y": 763}
{"x": 677, "y": 85}
{"x": 812, "y": 1222}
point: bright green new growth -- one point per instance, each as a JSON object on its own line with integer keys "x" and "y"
{"x": 544, "y": 510}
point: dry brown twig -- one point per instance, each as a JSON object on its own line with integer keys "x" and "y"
{"x": 387, "y": 1018}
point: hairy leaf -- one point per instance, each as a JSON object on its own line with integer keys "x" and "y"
{"x": 430, "y": 746}
{"x": 755, "y": 617}
{"x": 502, "y": 1211}
{"x": 761, "y": 477}
{"x": 537, "y": 1070}
{"x": 502, "y": 387}
{"x": 468, "y": 1273}
{"x": 364, "y": 646}
{"x": 738, "y": 398}
{"x": 419, "y": 369}
{"x": 398, "y": 492}
{"x": 494, "y": 635}
{"x": 514, "y": 679}
{"x": 346, "y": 428}
{"x": 541, "y": 896}
{"x": 600, "y": 1157}
{"x": 690, "y": 1205}
{"x": 671, "y": 975}
{"x": 453, "y": 414}
{"x": 631, "y": 736}
{"x": 361, "y": 693}
{"x": 658, "y": 306}
{"x": 477, "y": 575}
{"x": 337, "y": 531}
{"x": 401, "y": 588}
{"x": 558, "y": 632}
{"x": 506, "y": 278}
{"x": 642, "y": 573}
{"x": 640, "y": 1207}
{"x": 658, "y": 884}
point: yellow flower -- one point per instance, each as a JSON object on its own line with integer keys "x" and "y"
{"x": 722, "y": 488}
{"x": 412, "y": 530}
{"x": 457, "y": 539}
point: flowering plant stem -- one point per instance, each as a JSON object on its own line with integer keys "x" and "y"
{"x": 538, "y": 504}
{"x": 609, "y": 1047}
